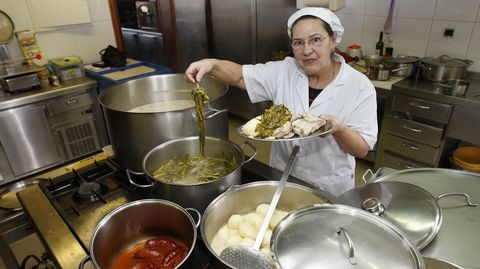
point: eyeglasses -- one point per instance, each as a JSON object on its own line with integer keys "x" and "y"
{"x": 315, "y": 41}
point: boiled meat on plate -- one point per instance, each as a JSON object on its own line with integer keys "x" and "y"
{"x": 305, "y": 124}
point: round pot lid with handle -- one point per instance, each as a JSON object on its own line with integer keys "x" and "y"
{"x": 403, "y": 59}
{"x": 339, "y": 236}
{"x": 459, "y": 195}
{"x": 410, "y": 208}
{"x": 446, "y": 61}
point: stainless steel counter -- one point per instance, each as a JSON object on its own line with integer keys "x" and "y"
{"x": 10, "y": 100}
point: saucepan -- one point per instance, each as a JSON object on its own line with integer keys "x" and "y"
{"x": 382, "y": 72}
{"x": 456, "y": 87}
{"x": 136, "y": 222}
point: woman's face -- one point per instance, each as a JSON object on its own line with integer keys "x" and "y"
{"x": 311, "y": 45}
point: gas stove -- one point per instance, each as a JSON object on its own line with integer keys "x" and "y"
{"x": 64, "y": 210}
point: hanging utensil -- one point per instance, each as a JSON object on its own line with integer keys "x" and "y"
{"x": 242, "y": 257}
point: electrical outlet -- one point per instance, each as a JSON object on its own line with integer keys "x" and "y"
{"x": 448, "y": 32}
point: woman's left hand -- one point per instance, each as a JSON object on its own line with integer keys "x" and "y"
{"x": 338, "y": 126}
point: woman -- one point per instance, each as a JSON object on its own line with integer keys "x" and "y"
{"x": 317, "y": 81}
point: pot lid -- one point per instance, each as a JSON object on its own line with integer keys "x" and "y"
{"x": 410, "y": 208}
{"x": 457, "y": 240}
{"x": 339, "y": 236}
{"x": 403, "y": 59}
{"x": 446, "y": 61}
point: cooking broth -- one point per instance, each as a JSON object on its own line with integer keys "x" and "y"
{"x": 194, "y": 169}
{"x": 163, "y": 106}
{"x": 157, "y": 253}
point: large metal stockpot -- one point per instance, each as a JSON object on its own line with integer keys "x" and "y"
{"x": 458, "y": 194}
{"x": 245, "y": 198}
{"x": 137, "y": 222}
{"x": 133, "y": 134}
{"x": 340, "y": 236}
{"x": 407, "y": 63}
{"x": 201, "y": 194}
{"x": 443, "y": 68}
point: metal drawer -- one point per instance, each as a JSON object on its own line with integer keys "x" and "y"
{"x": 421, "y": 108}
{"x": 413, "y": 130}
{"x": 396, "y": 162}
{"x": 70, "y": 102}
{"x": 412, "y": 149}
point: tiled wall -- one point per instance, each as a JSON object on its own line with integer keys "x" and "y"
{"x": 418, "y": 27}
{"x": 83, "y": 40}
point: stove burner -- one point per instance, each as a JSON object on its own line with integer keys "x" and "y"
{"x": 88, "y": 192}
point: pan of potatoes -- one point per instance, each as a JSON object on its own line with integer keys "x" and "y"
{"x": 234, "y": 217}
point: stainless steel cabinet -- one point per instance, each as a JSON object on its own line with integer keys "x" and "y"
{"x": 413, "y": 133}
{"x": 26, "y": 138}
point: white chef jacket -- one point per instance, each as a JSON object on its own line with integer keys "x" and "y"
{"x": 351, "y": 97}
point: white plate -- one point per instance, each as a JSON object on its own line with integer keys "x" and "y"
{"x": 324, "y": 130}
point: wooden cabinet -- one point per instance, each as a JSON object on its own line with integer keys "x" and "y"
{"x": 143, "y": 46}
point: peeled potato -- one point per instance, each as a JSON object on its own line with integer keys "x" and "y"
{"x": 247, "y": 230}
{"x": 233, "y": 241}
{"x": 262, "y": 209}
{"x": 234, "y": 221}
{"x": 254, "y": 219}
{"x": 249, "y": 127}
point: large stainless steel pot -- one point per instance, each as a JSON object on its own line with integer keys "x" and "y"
{"x": 196, "y": 195}
{"x": 339, "y": 236}
{"x": 443, "y": 68}
{"x": 458, "y": 194}
{"x": 140, "y": 221}
{"x": 408, "y": 65}
{"x": 245, "y": 198}
{"x": 132, "y": 135}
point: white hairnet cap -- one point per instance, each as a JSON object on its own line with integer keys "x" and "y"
{"x": 322, "y": 13}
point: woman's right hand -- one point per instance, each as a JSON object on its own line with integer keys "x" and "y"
{"x": 197, "y": 70}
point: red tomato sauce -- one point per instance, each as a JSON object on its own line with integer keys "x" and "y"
{"x": 157, "y": 253}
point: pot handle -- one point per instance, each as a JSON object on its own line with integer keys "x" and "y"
{"x": 351, "y": 248}
{"x": 364, "y": 176}
{"x": 83, "y": 261}
{"x": 210, "y": 113}
{"x": 199, "y": 216}
{"x": 254, "y": 149}
{"x": 133, "y": 182}
{"x": 399, "y": 69}
{"x": 467, "y": 197}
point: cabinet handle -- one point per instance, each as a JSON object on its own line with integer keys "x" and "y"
{"x": 73, "y": 101}
{"x": 411, "y": 129}
{"x": 419, "y": 106}
{"x": 410, "y": 146}
{"x": 405, "y": 165}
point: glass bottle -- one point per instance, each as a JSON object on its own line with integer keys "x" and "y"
{"x": 379, "y": 45}
{"x": 388, "y": 45}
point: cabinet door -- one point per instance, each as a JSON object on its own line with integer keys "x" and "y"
{"x": 150, "y": 48}
{"x": 130, "y": 45}
{"x": 27, "y": 139}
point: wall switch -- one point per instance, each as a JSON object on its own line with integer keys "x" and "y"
{"x": 448, "y": 32}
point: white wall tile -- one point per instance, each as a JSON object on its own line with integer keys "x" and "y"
{"x": 458, "y": 10}
{"x": 353, "y": 7}
{"x": 456, "y": 46}
{"x": 411, "y": 36}
{"x": 89, "y": 41}
{"x": 423, "y": 9}
{"x": 478, "y": 15}
{"x": 473, "y": 52}
{"x": 107, "y": 33}
{"x": 353, "y": 25}
{"x": 99, "y": 10}
{"x": 59, "y": 43}
{"x": 372, "y": 27}
{"x": 378, "y": 8}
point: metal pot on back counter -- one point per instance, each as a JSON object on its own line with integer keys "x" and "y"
{"x": 134, "y": 134}
{"x": 443, "y": 68}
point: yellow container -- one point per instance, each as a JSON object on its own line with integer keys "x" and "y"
{"x": 468, "y": 158}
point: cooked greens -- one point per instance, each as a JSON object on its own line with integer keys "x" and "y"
{"x": 194, "y": 169}
{"x": 271, "y": 119}
{"x": 201, "y": 98}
